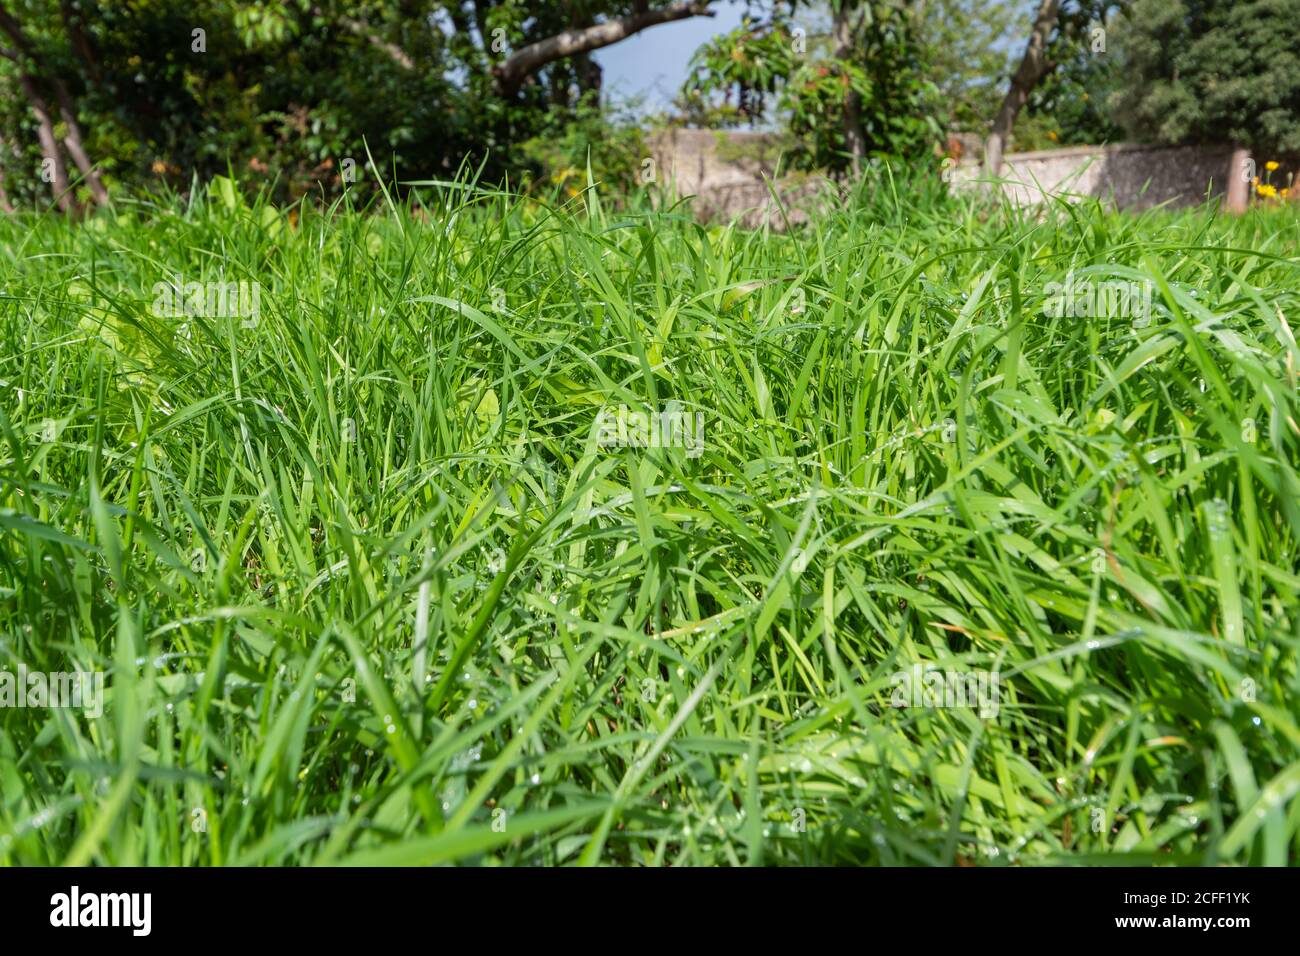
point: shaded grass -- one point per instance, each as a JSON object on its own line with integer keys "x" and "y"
{"x": 366, "y": 589}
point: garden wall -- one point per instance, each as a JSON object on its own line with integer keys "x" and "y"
{"x": 728, "y": 173}
{"x": 725, "y": 170}
{"x": 1130, "y": 176}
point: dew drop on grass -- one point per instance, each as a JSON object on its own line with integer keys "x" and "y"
{"x": 1218, "y": 518}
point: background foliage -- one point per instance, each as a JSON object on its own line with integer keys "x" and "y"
{"x": 1213, "y": 71}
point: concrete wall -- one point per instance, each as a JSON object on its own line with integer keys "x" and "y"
{"x": 1127, "y": 175}
{"x": 728, "y": 173}
{"x": 726, "y": 170}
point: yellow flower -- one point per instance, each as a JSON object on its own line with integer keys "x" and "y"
{"x": 1255, "y": 180}
{"x": 1267, "y": 190}
{"x": 560, "y": 175}
{"x": 1271, "y": 165}
{"x": 1051, "y": 134}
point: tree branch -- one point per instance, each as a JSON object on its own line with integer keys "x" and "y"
{"x": 45, "y": 126}
{"x": 1033, "y": 67}
{"x": 524, "y": 63}
{"x": 847, "y": 23}
{"x": 362, "y": 29}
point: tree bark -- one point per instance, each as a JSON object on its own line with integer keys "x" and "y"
{"x": 45, "y": 125}
{"x": 59, "y": 182}
{"x": 73, "y": 143}
{"x": 74, "y": 23}
{"x": 5, "y": 204}
{"x": 522, "y": 64}
{"x": 845, "y": 30}
{"x": 362, "y": 29}
{"x": 1033, "y": 67}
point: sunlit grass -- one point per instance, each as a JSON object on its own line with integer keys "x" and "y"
{"x": 366, "y": 588}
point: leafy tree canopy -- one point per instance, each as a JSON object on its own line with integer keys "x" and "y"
{"x": 1212, "y": 71}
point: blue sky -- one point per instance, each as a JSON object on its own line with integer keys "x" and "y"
{"x": 652, "y": 64}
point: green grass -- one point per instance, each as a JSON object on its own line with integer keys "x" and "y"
{"x": 365, "y": 588}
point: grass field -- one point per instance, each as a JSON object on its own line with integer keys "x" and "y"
{"x": 367, "y": 581}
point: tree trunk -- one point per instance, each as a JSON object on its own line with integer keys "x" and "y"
{"x": 74, "y": 22}
{"x": 590, "y": 76}
{"x": 845, "y": 31}
{"x": 1033, "y": 67}
{"x": 74, "y": 144}
{"x": 59, "y": 182}
{"x": 5, "y": 204}
{"x": 45, "y": 125}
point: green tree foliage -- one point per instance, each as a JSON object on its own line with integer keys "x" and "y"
{"x": 611, "y": 143}
{"x": 293, "y": 92}
{"x": 966, "y": 49}
{"x": 776, "y": 68}
{"x": 1070, "y": 105}
{"x": 1213, "y": 71}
